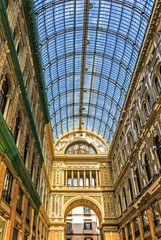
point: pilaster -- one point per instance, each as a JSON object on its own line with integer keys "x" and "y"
{"x": 109, "y": 232}
{"x": 126, "y": 233}
{"x": 24, "y": 218}
{"x": 140, "y": 228}
{"x": 151, "y": 224}
{"x": 120, "y": 234}
{"x": 2, "y": 174}
{"x": 132, "y": 230}
{"x": 13, "y": 212}
{"x": 57, "y": 232}
{"x": 31, "y": 224}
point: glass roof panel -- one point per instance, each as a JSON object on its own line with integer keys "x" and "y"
{"x": 89, "y": 50}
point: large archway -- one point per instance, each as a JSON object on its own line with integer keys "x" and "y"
{"x": 81, "y": 202}
{"x": 85, "y": 203}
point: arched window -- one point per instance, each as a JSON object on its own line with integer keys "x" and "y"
{"x": 3, "y": 95}
{"x": 158, "y": 147}
{"x": 130, "y": 190}
{"x": 138, "y": 180}
{"x": 16, "y": 130}
{"x": 124, "y": 194}
{"x": 146, "y": 110}
{"x": 147, "y": 168}
{"x": 150, "y": 102}
{"x": 25, "y": 150}
{"x": 120, "y": 203}
{"x": 157, "y": 84}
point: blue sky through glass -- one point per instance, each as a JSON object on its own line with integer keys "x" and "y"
{"x": 114, "y": 35}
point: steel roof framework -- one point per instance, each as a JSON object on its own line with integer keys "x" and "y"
{"x": 89, "y": 49}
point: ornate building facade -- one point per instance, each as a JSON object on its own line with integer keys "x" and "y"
{"x": 46, "y": 172}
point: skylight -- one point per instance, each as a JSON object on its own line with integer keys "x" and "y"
{"x": 89, "y": 50}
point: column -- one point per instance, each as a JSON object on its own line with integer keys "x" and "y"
{"x": 24, "y": 218}
{"x": 159, "y": 203}
{"x": 90, "y": 176}
{"x": 156, "y": 157}
{"x": 66, "y": 178}
{"x": 126, "y": 233}
{"x": 37, "y": 227}
{"x": 151, "y": 224}
{"x": 72, "y": 178}
{"x": 13, "y": 211}
{"x": 12, "y": 111}
{"x": 1, "y": 82}
{"x": 120, "y": 234}
{"x": 31, "y": 224}
{"x": 97, "y": 178}
{"x": 6, "y": 107}
{"x": 2, "y": 174}
{"x": 84, "y": 178}
{"x": 18, "y": 142}
{"x": 140, "y": 228}
{"x": 132, "y": 230}
{"x": 78, "y": 177}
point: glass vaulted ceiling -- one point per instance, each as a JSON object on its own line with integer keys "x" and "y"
{"x": 89, "y": 49}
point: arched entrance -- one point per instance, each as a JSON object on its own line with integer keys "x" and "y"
{"x": 86, "y": 203}
{"x": 81, "y": 202}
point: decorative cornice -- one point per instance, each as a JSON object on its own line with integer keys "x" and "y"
{"x": 80, "y": 158}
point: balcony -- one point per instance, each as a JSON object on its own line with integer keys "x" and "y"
{"x": 86, "y": 231}
{"x": 87, "y": 213}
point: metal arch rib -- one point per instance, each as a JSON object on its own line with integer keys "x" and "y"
{"x": 93, "y": 29}
{"x": 88, "y": 90}
{"x": 46, "y": 6}
{"x": 88, "y": 53}
{"x": 83, "y": 114}
{"x": 65, "y": 119}
{"x": 80, "y": 28}
{"x": 88, "y": 73}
